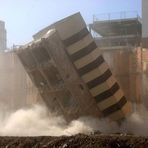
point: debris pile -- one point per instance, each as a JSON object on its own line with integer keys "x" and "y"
{"x": 81, "y": 141}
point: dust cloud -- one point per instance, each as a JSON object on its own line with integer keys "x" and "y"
{"x": 38, "y": 121}
{"x": 137, "y": 123}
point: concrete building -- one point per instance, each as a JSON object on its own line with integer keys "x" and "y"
{"x": 145, "y": 23}
{"x": 145, "y": 51}
{"x": 3, "y": 36}
{"x": 71, "y": 74}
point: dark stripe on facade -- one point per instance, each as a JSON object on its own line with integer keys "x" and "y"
{"x": 115, "y": 107}
{"x": 108, "y": 93}
{"x": 89, "y": 67}
{"x": 83, "y": 52}
{"x": 76, "y": 37}
{"x": 99, "y": 80}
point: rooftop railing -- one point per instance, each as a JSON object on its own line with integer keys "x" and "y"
{"x": 116, "y": 16}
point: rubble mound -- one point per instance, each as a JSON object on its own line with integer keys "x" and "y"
{"x": 77, "y": 141}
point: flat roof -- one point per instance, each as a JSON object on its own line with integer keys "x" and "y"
{"x": 117, "y": 27}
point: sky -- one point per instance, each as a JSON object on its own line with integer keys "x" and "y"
{"x": 24, "y": 18}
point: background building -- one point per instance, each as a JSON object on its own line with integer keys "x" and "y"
{"x": 3, "y": 36}
{"x": 145, "y": 23}
{"x": 145, "y": 51}
{"x": 118, "y": 35}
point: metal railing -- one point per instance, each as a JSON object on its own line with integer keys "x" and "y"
{"x": 116, "y": 16}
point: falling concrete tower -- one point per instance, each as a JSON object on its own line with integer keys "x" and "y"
{"x": 71, "y": 74}
{"x": 3, "y": 36}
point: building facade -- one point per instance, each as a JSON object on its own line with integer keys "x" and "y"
{"x": 145, "y": 51}
{"x": 3, "y": 36}
{"x": 145, "y": 23}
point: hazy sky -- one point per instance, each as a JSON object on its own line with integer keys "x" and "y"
{"x": 24, "y": 18}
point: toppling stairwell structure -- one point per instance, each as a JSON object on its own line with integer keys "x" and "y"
{"x": 67, "y": 67}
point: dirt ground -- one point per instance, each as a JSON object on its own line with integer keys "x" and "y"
{"x": 77, "y": 141}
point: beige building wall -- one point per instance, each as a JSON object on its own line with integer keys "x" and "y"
{"x": 145, "y": 51}
{"x": 144, "y": 18}
{"x": 145, "y": 77}
{"x": 145, "y": 23}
